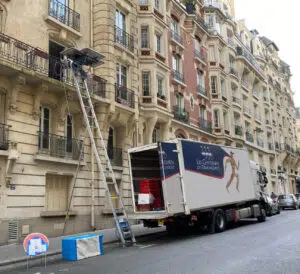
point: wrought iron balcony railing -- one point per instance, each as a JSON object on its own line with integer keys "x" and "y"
{"x": 249, "y": 137}
{"x": 238, "y": 130}
{"x": 60, "y": 146}
{"x": 96, "y": 84}
{"x": 124, "y": 96}
{"x": 178, "y": 76}
{"x": 201, "y": 90}
{"x": 205, "y": 125}
{"x": 115, "y": 155}
{"x": 4, "y": 137}
{"x": 124, "y": 39}
{"x": 177, "y": 37}
{"x": 181, "y": 114}
{"x": 64, "y": 14}
{"x": 23, "y": 54}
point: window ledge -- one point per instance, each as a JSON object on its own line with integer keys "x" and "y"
{"x": 46, "y": 214}
{"x": 52, "y": 20}
{"x": 47, "y": 158}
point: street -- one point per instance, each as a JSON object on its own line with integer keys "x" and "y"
{"x": 251, "y": 247}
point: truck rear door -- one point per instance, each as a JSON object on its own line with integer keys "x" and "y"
{"x": 170, "y": 177}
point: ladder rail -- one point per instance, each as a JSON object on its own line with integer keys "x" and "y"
{"x": 97, "y": 156}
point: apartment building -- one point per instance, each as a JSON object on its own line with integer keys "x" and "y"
{"x": 251, "y": 96}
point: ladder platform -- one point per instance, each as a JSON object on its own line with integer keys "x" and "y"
{"x": 85, "y": 57}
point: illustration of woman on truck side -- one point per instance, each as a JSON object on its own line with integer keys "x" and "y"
{"x": 234, "y": 171}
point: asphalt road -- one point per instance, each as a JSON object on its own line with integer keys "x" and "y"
{"x": 270, "y": 247}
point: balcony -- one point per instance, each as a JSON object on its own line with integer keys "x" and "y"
{"x": 234, "y": 72}
{"x": 200, "y": 56}
{"x": 64, "y": 14}
{"x": 181, "y": 115}
{"x": 23, "y": 54}
{"x": 60, "y": 146}
{"x": 206, "y": 125}
{"x": 236, "y": 100}
{"x": 201, "y": 91}
{"x": 124, "y": 39}
{"x": 96, "y": 84}
{"x": 178, "y": 76}
{"x": 124, "y": 96}
{"x": 115, "y": 156}
{"x": 260, "y": 142}
{"x": 3, "y": 137}
{"x": 177, "y": 37}
{"x": 249, "y": 137}
{"x": 238, "y": 130}
{"x": 249, "y": 57}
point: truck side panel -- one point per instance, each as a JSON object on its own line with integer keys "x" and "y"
{"x": 207, "y": 171}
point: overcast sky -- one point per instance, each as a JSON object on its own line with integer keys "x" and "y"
{"x": 278, "y": 20}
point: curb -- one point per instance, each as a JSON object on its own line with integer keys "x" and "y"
{"x": 54, "y": 253}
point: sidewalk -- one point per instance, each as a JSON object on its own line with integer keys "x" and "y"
{"x": 14, "y": 253}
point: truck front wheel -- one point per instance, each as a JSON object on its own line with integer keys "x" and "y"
{"x": 263, "y": 216}
{"x": 219, "y": 220}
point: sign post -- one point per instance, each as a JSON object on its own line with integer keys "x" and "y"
{"x": 36, "y": 244}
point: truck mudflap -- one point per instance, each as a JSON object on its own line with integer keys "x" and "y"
{"x": 148, "y": 215}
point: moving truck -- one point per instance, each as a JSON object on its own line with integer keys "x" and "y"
{"x": 183, "y": 183}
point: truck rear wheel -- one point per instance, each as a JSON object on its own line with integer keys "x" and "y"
{"x": 219, "y": 221}
{"x": 262, "y": 218}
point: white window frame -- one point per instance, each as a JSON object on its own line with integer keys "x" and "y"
{"x": 144, "y": 36}
{"x": 200, "y": 78}
{"x": 41, "y": 126}
{"x": 158, "y": 43}
{"x": 146, "y": 82}
{"x": 160, "y": 81}
{"x": 214, "y": 84}
{"x": 120, "y": 75}
{"x": 176, "y": 63}
{"x": 216, "y": 114}
{"x": 120, "y": 20}
{"x": 179, "y": 101}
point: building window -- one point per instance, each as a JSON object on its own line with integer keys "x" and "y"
{"x": 223, "y": 88}
{"x": 197, "y": 45}
{"x": 55, "y": 68}
{"x": 179, "y": 101}
{"x": 158, "y": 43}
{"x": 157, "y": 4}
{"x": 202, "y": 113}
{"x": 146, "y": 83}
{"x": 44, "y": 128}
{"x": 121, "y": 75}
{"x": 160, "y": 85}
{"x": 120, "y": 20}
{"x": 213, "y": 83}
{"x": 175, "y": 26}
{"x": 69, "y": 133}
{"x": 216, "y": 118}
{"x": 210, "y": 20}
{"x": 57, "y": 192}
{"x": 144, "y": 37}
{"x": 176, "y": 63}
{"x": 212, "y": 53}
{"x": 200, "y": 78}
{"x": 156, "y": 135}
{"x": 110, "y": 143}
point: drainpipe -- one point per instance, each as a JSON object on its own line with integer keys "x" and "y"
{"x": 92, "y": 128}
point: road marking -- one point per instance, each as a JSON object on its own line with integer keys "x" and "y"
{"x": 146, "y": 246}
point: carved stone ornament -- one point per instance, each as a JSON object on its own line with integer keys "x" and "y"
{"x": 18, "y": 84}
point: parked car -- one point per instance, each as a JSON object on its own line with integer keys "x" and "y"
{"x": 272, "y": 205}
{"x": 297, "y": 195}
{"x": 288, "y": 201}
